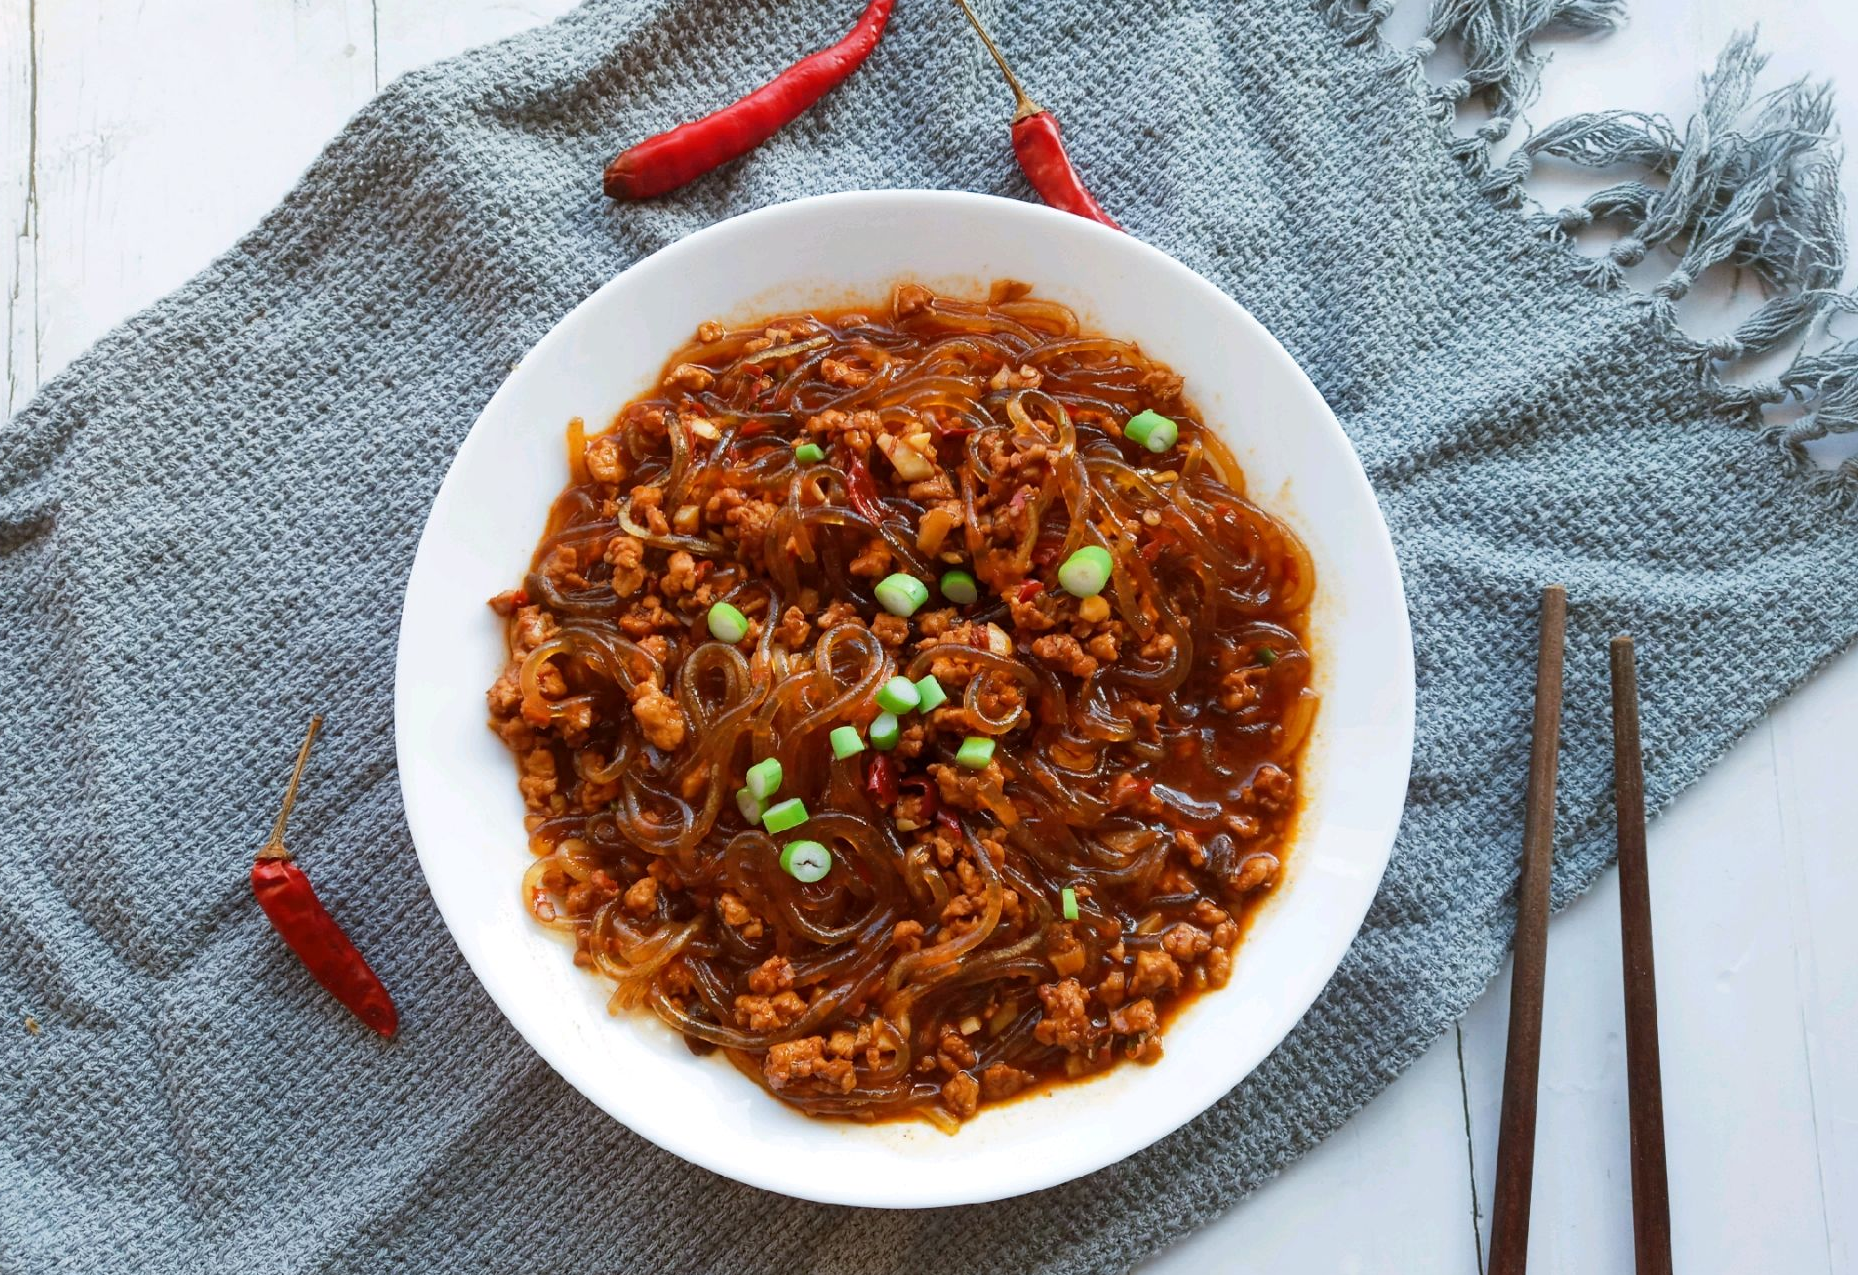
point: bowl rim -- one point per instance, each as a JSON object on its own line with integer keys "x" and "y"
{"x": 503, "y": 988}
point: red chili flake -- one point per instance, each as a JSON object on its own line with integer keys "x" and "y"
{"x": 949, "y": 819}
{"x": 926, "y": 794}
{"x": 1030, "y": 590}
{"x": 880, "y": 782}
{"x": 946, "y": 433}
{"x": 1159, "y": 542}
{"x": 1046, "y": 551}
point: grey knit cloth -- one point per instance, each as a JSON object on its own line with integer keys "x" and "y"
{"x": 207, "y": 522}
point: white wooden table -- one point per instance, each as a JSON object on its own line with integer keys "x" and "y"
{"x": 137, "y": 141}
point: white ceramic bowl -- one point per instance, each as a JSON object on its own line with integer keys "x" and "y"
{"x": 460, "y": 787}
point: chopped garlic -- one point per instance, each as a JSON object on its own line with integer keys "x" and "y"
{"x": 911, "y": 465}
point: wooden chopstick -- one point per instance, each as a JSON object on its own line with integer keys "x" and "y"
{"x": 1651, "y": 1199}
{"x": 1509, "y": 1223}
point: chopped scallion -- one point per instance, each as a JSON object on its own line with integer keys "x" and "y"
{"x": 749, "y": 804}
{"x": 899, "y": 695}
{"x": 960, "y": 588}
{"x": 1067, "y": 902}
{"x": 900, "y": 594}
{"x": 845, "y": 741}
{"x": 1153, "y": 430}
{"x": 806, "y": 861}
{"x": 727, "y": 624}
{"x": 930, "y": 692}
{"x": 885, "y": 732}
{"x": 764, "y": 778}
{"x": 784, "y": 815}
{"x": 1266, "y": 656}
{"x": 1086, "y": 572}
{"x": 975, "y": 752}
{"x": 808, "y": 453}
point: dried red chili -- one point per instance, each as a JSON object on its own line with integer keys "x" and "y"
{"x": 669, "y": 160}
{"x": 861, "y": 488}
{"x": 1039, "y": 145}
{"x": 289, "y": 901}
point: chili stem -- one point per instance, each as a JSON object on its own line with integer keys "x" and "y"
{"x": 1026, "y": 106}
{"x": 274, "y": 845}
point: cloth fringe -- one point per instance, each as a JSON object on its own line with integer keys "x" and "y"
{"x": 1750, "y": 181}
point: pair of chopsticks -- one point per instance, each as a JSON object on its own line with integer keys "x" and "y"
{"x": 1651, "y": 1205}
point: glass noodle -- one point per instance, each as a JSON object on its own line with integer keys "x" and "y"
{"x": 1145, "y": 762}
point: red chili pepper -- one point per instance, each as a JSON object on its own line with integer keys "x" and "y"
{"x": 1030, "y": 590}
{"x": 1039, "y": 145}
{"x": 669, "y": 160}
{"x": 861, "y": 488}
{"x": 285, "y": 894}
{"x": 880, "y": 782}
{"x": 949, "y": 819}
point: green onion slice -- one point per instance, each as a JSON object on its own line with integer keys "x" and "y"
{"x": 975, "y": 752}
{"x": 1067, "y": 902}
{"x": 784, "y": 815}
{"x": 960, "y": 588}
{"x": 764, "y": 778}
{"x": 1153, "y": 430}
{"x": 900, "y": 594}
{"x": 845, "y": 741}
{"x": 727, "y": 624}
{"x": 930, "y": 693}
{"x": 808, "y": 453}
{"x": 1086, "y": 572}
{"x": 885, "y": 732}
{"x": 807, "y": 861}
{"x": 1266, "y": 656}
{"x": 899, "y": 695}
{"x": 749, "y": 804}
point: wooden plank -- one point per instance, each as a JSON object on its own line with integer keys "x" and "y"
{"x": 1387, "y": 1194}
{"x": 412, "y": 33}
{"x": 165, "y": 131}
{"x": 1815, "y": 743}
{"x": 19, "y": 283}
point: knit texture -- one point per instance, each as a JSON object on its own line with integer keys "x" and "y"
{"x": 206, "y": 524}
